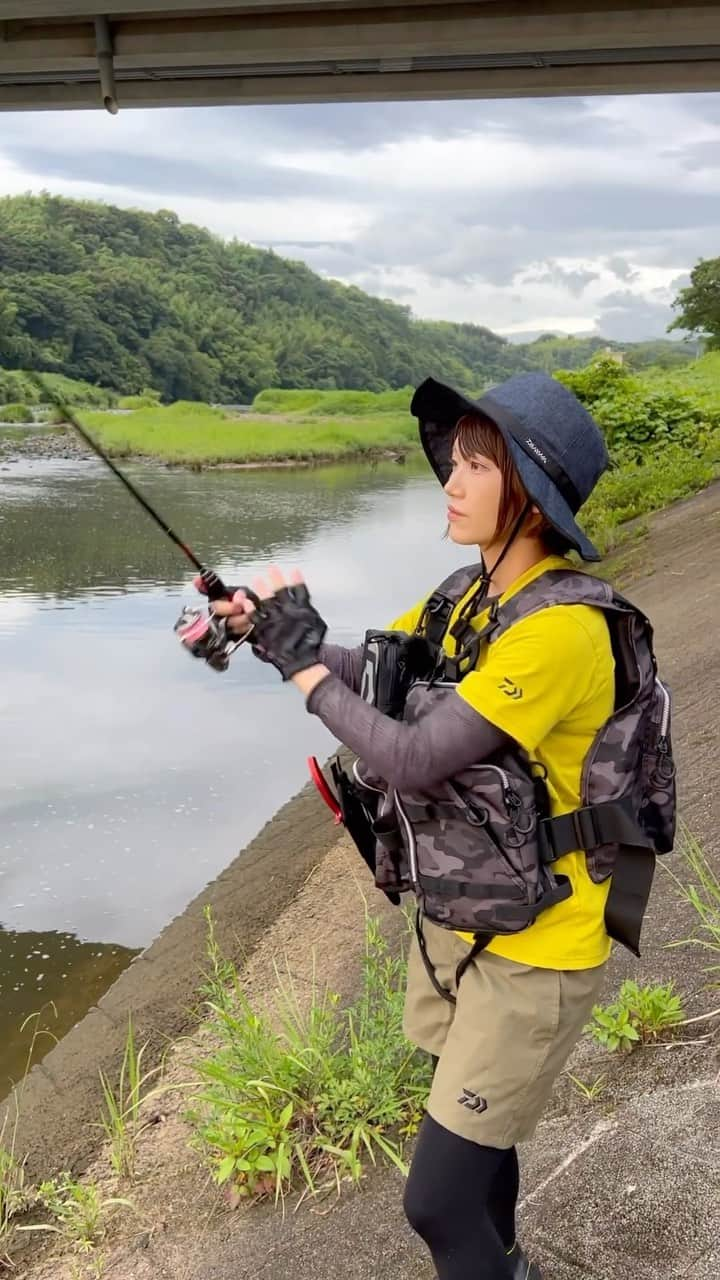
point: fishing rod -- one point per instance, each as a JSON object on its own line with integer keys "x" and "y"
{"x": 203, "y": 635}
{"x": 215, "y": 588}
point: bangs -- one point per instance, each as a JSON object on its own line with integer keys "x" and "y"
{"x": 477, "y": 434}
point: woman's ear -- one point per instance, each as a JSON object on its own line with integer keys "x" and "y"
{"x": 536, "y": 523}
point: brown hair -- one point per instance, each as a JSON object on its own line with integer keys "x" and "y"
{"x": 475, "y": 434}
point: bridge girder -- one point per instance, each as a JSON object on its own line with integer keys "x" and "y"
{"x": 66, "y": 54}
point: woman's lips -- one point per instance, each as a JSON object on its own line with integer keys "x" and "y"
{"x": 454, "y": 514}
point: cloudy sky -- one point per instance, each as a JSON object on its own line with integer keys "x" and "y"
{"x": 522, "y": 215}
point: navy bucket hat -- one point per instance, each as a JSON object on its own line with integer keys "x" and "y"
{"x": 557, "y": 447}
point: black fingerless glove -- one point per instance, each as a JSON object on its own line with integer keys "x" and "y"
{"x": 288, "y": 631}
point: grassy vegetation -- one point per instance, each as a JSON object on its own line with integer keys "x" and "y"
{"x": 637, "y": 1017}
{"x": 631, "y": 490}
{"x": 334, "y": 403}
{"x": 78, "y": 1209}
{"x": 307, "y": 1097}
{"x": 16, "y": 386}
{"x": 700, "y": 887}
{"x": 701, "y": 380}
{"x": 15, "y": 413}
{"x": 121, "y": 1111}
{"x": 187, "y": 433}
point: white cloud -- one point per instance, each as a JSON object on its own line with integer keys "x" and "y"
{"x": 518, "y": 215}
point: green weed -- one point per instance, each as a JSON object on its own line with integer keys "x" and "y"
{"x": 702, "y": 892}
{"x": 638, "y": 1016}
{"x": 15, "y": 1196}
{"x": 79, "y": 1210}
{"x": 307, "y": 1098}
{"x": 588, "y": 1091}
{"x": 121, "y": 1113}
{"x": 15, "y": 413}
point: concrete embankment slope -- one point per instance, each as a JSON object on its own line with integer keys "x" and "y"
{"x": 626, "y": 1185}
{"x": 62, "y": 1096}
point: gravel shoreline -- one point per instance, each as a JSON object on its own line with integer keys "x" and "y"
{"x": 50, "y": 443}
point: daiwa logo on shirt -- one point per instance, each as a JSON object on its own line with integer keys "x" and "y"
{"x": 532, "y": 445}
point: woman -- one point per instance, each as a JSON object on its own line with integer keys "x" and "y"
{"x": 515, "y": 465}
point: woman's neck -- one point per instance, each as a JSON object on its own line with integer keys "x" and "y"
{"x": 524, "y": 554}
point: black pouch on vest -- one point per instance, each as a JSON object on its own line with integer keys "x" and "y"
{"x": 391, "y": 661}
{"x": 359, "y": 806}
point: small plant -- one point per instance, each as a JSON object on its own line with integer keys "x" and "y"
{"x": 220, "y": 981}
{"x": 13, "y": 1196}
{"x": 702, "y": 892}
{"x": 15, "y": 413}
{"x": 588, "y": 1091}
{"x": 120, "y": 1117}
{"x": 638, "y": 1016}
{"x": 79, "y": 1210}
{"x": 308, "y": 1100}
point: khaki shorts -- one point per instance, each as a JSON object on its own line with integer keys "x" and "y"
{"x": 502, "y": 1046}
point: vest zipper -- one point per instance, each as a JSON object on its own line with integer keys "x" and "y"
{"x": 362, "y": 783}
{"x": 507, "y": 789}
{"x": 411, "y": 846}
{"x": 665, "y": 720}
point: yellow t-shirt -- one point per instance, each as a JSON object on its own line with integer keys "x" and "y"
{"x": 561, "y": 658}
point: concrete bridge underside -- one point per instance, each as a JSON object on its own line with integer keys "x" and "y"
{"x": 73, "y": 54}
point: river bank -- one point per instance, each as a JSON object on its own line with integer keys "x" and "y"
{"x": 629, "y": 489}
{"x": 631, "y": 1174}
{"x": 62, "y": 442}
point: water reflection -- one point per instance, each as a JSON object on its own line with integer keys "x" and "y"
{"x": 93, "y": 537}
{"x": 133, "y": 774}
{"x": 55, "y": 976}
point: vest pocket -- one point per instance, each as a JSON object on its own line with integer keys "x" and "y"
{"x": 473, "y": 851}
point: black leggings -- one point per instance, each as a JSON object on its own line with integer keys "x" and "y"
{"x": 461, "y": 1197}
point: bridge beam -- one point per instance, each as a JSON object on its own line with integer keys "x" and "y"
{"x": 340, "y": 51}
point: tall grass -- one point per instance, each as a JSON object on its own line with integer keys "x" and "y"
{"x": 306, "y": 1097}
{"x": 121, "y": 1111}
{"x": 200, "y": 434}
{"x": 15, "y": 1197}
{"x": 700, "y": 887}
{"x": 333, "y": 403}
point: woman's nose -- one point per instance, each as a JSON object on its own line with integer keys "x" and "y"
{"x": 453, "y": 487}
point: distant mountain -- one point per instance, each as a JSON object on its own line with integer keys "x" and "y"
{"x": 128, "y": 300}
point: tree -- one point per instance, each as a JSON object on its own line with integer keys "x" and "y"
{"x": 125, "y": 299}
{"x": 699, "y": 303}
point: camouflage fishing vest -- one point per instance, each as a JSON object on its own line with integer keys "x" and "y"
{"x": 478, "y": 850}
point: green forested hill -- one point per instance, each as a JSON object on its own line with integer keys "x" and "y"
{"x": 127, "y": 300}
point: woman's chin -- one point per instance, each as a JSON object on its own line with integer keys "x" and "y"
{"x": 463, "y": 537}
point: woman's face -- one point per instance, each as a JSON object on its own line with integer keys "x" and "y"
{"x": 473, "y": 491}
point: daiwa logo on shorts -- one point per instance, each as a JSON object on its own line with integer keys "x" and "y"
{"x": 472, "y": 1101}
{"x": 535, "y": 448}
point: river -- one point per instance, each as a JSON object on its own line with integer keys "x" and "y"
{"x": 133, "y": 774}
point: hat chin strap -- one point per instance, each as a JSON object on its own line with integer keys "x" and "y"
{"x": 484, "y": 580}
{"x": 488, "y": 574}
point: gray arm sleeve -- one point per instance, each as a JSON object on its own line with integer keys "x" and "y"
{"x": 346, "y": 664}
{"x": 410, "y": 757}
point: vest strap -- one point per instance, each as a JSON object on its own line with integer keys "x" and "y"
{"x": 630, "y": 887}
{"x": 611, "y": 822}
